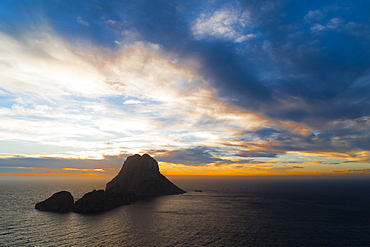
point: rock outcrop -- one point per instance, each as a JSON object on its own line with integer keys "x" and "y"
{"x": 100, "y": 200}
{"x": 59, "y": 202}
{"x": 139, "y": 176}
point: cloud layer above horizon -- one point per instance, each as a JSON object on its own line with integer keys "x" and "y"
{"x": 210, "y": 87}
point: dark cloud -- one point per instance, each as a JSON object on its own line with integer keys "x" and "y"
{"x": 297, "y": 115}
{"x": 297, "y": 167}
{"x": 267, "y": 154}
{"x": 340, "y": 140}
{"x": 317, "y": 72}
{"x": 193, "y": 156}
{"x": 350, "y": 161}
{"x": 34, "y": 162}
{"x": 265, "y": 132}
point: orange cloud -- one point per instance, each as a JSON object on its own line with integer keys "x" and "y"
{"x": 52, "y": 174}
{"x": 298, "y": 128}
{"x": 84, "y": 170}
{"x": 31, "y": 168}
{"x": 363, "y": 156}
{"x": 364, "y": 170}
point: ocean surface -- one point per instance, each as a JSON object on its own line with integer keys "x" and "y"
{"x": 248, "y": 211}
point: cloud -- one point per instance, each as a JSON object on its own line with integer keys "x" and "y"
{"x": 333, "y": 24}
{"x": 61, "y": 166}
{"x": 228, "y": 24}
{"x": 113, "y": 22}
{"x": 314, "y": 15}
{"x": 360, "y": 30}
{"x": 30, "y": 168}
{"x": 132, "y": 102}
{"x": 41, "y": 63}
{"x": 198, "y": 156}
{"x": 170, "y": 91}
{"x": 286, "y": 167}
{"x": 352, "y": 171}
{"x": 82, "y": 22}
{"x": 184, "y": 77}
{"x": 359, "y": 156}
{"x": 84, "y": 170}
{"x": 269, "y": 154}
{"x": 52, "y": 174}
{"x": 317, "y": 28}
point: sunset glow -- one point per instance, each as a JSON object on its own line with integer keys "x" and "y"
{"x": 209, "y": 88}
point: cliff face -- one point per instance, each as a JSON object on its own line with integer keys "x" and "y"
{"x": 140, "y": 175}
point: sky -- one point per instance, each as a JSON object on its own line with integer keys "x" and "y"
{"x": 249, "y": 88}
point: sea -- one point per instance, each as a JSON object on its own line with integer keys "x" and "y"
{"x": 215, "y": 211}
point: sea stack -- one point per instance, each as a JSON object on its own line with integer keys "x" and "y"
{"x": 140, "y": 175}
{"x": 60, "y": 202}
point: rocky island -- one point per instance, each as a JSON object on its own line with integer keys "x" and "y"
{"x": 138, "y": 177}
{"x": 61, "y": 201}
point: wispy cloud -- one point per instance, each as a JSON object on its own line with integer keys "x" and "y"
{"x": 82, "y": 22}
{"x": 132, "y": 102}
{"x": 40, "y": 63}
{"x": 84, "y": 170}
{"x": 353, "y": 171}
{"x": 314, "y": 15}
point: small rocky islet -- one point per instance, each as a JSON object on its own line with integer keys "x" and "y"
{"x": 138, "y": 177}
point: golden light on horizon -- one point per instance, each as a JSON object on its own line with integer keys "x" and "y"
{"x": 84, "y": 170}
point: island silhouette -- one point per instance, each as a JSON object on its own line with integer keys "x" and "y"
{"x": 138, "y": 177}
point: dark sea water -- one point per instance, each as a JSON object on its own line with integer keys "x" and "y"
{"x": 229, "y": 212}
